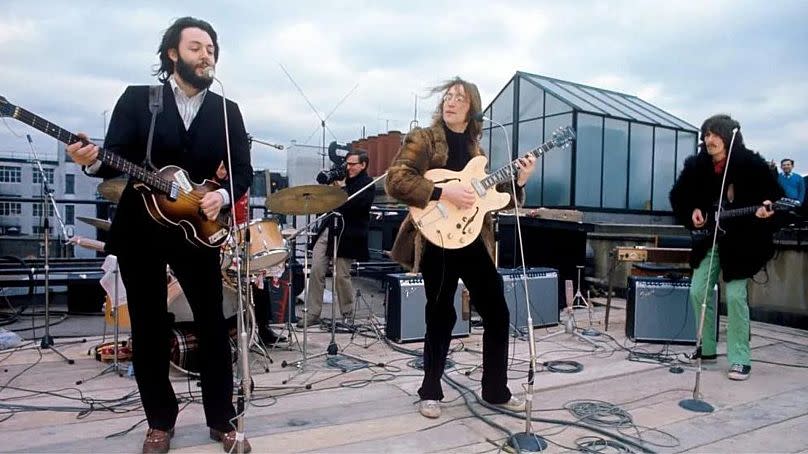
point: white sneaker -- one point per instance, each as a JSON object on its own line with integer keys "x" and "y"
{"x": 429, "y": 408}
{"x": 516, "y": 404}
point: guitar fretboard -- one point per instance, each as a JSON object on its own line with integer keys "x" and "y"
{"x": 504, "y": 173}
{"x": 111, "y": 159}
{"x": 736, "y": 212}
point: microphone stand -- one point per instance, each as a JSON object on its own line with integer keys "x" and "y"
{"x": 244, "y": 391}
{"x": 46, "y": 343}
{"x": 696, "y": 404}
{"x": 527, "y": 440}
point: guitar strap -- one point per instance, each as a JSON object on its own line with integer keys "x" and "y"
{"x": 155, "y": 107}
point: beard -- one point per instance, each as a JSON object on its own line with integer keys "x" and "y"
{"x": 188, "y": 73}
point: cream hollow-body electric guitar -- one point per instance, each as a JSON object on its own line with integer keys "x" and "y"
{"x": 449, "y": 227}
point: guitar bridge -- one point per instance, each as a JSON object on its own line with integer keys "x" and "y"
{"x": 173, "y": 192}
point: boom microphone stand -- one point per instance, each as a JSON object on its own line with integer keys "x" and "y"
{"x": 47, "y": 201}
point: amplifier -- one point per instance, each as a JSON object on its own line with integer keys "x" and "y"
{"x": 658, "y": 311}
{"x": 406, "y": 301}
{"x": 542, "y": 287}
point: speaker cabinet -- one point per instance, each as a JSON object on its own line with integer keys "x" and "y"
{"x": 658, "y": 311}
{"x": 542, "y": 287}
{"x": 406, "y": 301}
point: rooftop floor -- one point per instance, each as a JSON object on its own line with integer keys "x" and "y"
{"x": 373, "y": 409}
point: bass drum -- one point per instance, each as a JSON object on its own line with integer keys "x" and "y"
{"x": 184, "y": 341}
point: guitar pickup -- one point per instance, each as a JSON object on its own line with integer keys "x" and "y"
{"x": 478, "y": 187}
{"x": 173, "y": 192}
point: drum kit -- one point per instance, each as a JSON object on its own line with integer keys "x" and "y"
{"x": 265, "y": 250}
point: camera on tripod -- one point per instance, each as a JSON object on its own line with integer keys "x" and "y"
{"x": 338, "y": 170}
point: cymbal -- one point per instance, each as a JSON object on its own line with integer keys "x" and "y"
{"x": 307, "y": 199}
{"x": 101, "y": 224}
{"x": 112, "y": 189}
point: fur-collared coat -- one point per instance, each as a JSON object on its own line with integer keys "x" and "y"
{"x": 424, "y": 149}
{"x": 747, "y": 244}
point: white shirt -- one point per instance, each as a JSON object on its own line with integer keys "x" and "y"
{"x": 188, "y": 107}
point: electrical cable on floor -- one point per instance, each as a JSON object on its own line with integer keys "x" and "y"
{"x": 564, "y": 367}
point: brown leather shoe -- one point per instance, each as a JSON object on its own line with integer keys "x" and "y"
{"x": 228, "y": 440}
{"x": 157, "y": 441}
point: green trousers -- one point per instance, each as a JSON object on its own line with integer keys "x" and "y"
{"x": 704, "y": 279}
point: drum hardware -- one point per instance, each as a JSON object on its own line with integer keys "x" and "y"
{"x": 332, "y": 350}
{"x": 112, "y": 189}
{"x": 100, "y": 224}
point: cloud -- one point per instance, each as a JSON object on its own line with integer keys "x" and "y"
{"x": 689, "y": 58}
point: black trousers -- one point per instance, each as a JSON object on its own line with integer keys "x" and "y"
{"x": 441, "y": 269}
{"x": 143, "y": 270}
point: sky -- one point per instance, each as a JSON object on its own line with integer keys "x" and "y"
{"x": 363, "y": 66}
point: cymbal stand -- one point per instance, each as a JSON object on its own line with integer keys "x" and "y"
{"x": 301, "y": 363}
{"x": 46, "y": 342}
{"x": 332, "y": 349}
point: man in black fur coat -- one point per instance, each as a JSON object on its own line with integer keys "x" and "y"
{"x": 744, "y": 244}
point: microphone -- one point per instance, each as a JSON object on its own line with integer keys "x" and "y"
{"x": 264, "y": 142}
{"x": 210, "y": 73}
{"x": 479, "y": 117}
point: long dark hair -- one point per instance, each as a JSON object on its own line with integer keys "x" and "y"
{"x": 722, "y": 126}
{"x": 475, "y": 128}
{"x": 171, "y": 40}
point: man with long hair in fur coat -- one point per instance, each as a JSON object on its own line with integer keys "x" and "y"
{"x": 745, "y": 243}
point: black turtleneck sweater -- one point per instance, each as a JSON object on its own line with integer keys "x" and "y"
{"x": 458, "y": 143}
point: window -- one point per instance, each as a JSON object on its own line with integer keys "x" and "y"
{"x": 10, "y": 174}
{"x": 531, "y": 100}
{"x": 615, "y": 163}
{"x": 685, "y": 147}
{"x": 503, "y": 106}
{"x": 557, "y": 166}
{"x": 10, "y": 208}
{"x": 640, "y": 167}
{"x": 38, "y": 210}
{"x": 531, "y": 136}
{"x": 664, "y": 166}
{"x": 70, "y": 214}
{"x": 70, "y": 183}
{"x": 38, "y": 176}
{"x": 589, "y": 150}
{"x": 37, "y": 230}
{"x": 500, "y": 155}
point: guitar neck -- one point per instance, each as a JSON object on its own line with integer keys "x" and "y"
{"x": 504, "y": 173}
{"x": 108, "y": 158}
{"x": 738, "y": 212}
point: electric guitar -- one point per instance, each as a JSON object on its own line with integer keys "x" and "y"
{"x": 705, "y": 232}
{"x": 449, "y": 227}
{"x": 171, "y": 198}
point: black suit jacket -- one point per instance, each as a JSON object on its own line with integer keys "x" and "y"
{"x": 198, "y": 150}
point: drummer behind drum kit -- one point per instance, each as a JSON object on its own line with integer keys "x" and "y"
{"x": 263, "y": 243}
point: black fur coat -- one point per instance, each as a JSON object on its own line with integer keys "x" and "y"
{"x": 747, "y": 244}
